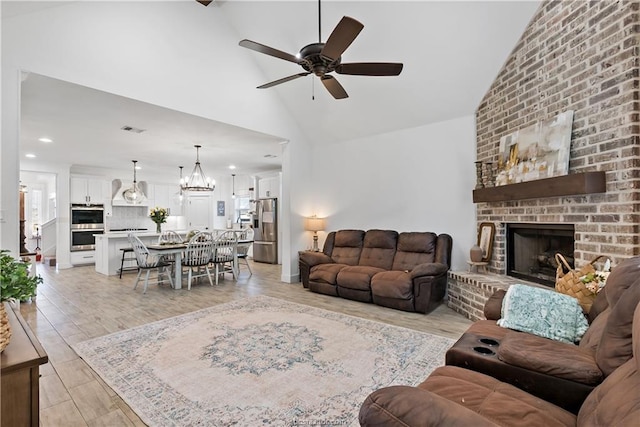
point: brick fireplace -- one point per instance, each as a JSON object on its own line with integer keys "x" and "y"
{"x": 531, "y": 250}
{"x": 585, "y": 57}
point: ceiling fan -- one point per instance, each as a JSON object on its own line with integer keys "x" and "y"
{"x": 324, "y": 58}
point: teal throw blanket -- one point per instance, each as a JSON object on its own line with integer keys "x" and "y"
{"x": 543, "y": 312}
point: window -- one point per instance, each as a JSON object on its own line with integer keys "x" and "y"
{"x": 242, "y": 209}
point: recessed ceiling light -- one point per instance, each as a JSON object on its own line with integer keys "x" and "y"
{"x": 232, "y": 167}
{"x": 30, "y": 155}
{"x": 43, "y": 139}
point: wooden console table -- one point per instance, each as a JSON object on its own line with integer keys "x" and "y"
{"x": 20, "y": 374}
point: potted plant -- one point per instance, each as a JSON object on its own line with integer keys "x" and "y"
{"x": 15, "y": 285}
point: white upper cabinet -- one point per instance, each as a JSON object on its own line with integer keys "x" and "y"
{"x": 243, "y": 186}
{"x": 87, "y": 190}
{"x": 269, "y": 187}
{"x": 166, "y": 196}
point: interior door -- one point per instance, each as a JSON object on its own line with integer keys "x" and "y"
{"x": 199, "y": 213}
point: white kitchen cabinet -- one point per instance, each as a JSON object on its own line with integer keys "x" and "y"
{"x": 165, "y": 196}
{"x": 199, "y": 211}
{"x": 83, "y": 257}
{"x": 244, "y": 186}
{"x": 87, "y": 190}
{"x": 269, "y": 187}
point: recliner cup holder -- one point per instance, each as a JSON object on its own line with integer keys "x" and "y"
{"x": 488, "y": 341}
{"x": 484, "y": 350}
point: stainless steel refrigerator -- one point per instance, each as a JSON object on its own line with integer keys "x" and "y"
{"x": 265, "y": 224}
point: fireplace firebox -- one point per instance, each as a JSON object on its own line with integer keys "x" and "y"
{"x": 531, "y": 250}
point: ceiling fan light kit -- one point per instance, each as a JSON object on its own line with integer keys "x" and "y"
{"x": 197, "y": 181}
{"x": 323, "y": 58}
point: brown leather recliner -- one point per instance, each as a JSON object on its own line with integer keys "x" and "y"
{"x": 561, "y": 373}
{"x": 405, "y": 271}
{"x": 454, "y": 396}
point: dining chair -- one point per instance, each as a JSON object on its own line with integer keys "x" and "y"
{"x": 169, "y": 237}
{"x": 245, "y": 241}
{"x": 148, "y": 262}
{"x": 225, "y": 248}
{"x": 197, "y": 256}
{"x": 191, "y": 233}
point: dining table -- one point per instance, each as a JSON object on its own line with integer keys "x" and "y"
{"x": 171, "y": 249}
{"x": 177, "y": 249}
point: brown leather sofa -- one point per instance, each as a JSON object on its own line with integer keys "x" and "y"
{"x": 406, "y": 271}
{"x": 455, "y": 396}
{"x": 561, "y": 373}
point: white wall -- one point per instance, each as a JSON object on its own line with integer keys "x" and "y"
{"x": 176, "y": 55}
{"x": 418, "y": 179}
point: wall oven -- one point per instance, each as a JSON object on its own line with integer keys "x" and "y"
{"x": 85, "y": 222}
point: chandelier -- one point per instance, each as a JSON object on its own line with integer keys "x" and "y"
{"x": 197, "y": 181}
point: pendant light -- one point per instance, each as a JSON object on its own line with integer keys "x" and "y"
{"x": 133, "y": 195}
{"x": 233, "y": 178}
{"x": 179, "y": 196}
{"x": 198, "y": 181}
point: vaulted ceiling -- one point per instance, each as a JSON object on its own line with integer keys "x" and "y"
{"x": 451, "y": 51}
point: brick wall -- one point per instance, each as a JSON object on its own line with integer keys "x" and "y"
{"x": 574, "y": 55}
{"x": 582, "y": 56}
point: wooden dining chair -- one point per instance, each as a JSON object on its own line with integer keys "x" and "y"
{"x": 245, "y": 240}
{"x": 225, "y": 248}
{"x": 169, "y": 237}
{"x": 197, "y": 256}
{"x": 148, "y": 262}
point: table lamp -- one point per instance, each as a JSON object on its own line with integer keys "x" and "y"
{"x": 314, "y": 224}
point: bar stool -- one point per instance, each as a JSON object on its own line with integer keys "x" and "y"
{"x": 127, "y": 258}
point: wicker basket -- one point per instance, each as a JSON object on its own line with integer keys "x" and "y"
{"x": 5, "y": 328}
{"x": 569, "y": 283}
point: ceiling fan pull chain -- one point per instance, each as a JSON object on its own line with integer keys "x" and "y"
{"x": 313, "y": 89}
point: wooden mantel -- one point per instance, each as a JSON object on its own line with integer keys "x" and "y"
{"x": 566, "y": 185}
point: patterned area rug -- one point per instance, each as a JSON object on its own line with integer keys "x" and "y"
{"x": 259, "y": 361}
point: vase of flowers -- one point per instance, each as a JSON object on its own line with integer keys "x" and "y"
{"x": 16, "y": 284}
{"x": 159, "y": 216}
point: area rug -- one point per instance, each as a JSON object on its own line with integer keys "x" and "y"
{"x": 259, "y": 361}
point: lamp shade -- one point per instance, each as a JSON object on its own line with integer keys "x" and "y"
{"x": 314, "y": 224}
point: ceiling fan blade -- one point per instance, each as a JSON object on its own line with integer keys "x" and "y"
{"x": 370, "y": 68}
{"x": 334, "y": 87}
{"x": 342, "y": 36}
{"x": 283, "y": 80}
{"x": 258, "y": 47}
{"x": 205, "y": 2}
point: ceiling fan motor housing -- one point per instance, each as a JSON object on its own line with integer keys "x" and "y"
{"x": 313, "y": 61}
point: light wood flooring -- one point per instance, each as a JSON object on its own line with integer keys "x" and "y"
{"x": 77, "y": 304}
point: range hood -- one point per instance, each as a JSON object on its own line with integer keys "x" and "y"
{"x": 118, "y": 187}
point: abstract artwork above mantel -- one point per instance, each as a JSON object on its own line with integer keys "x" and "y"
{"x": 536, "y": 152}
